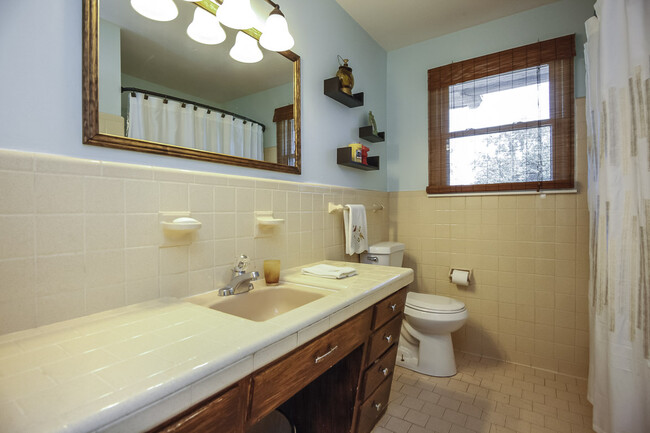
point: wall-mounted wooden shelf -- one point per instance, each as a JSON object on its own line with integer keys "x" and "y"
{"x": 365, "y": 132}
{"x": 344, "y": 157}
{"x": 332, "y": 88}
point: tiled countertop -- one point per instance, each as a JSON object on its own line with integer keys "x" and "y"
{"x": 131, "y": 368}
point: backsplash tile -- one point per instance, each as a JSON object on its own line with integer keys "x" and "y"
{"x": 83, "y": 236}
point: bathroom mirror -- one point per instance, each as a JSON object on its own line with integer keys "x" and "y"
{"x": 129, "y": 60}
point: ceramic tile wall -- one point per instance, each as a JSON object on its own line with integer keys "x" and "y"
{"x": 81, "y": 236}
{"x": 528, "y": 301}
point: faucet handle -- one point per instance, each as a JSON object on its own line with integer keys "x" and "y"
{"x": 241, "y": 264}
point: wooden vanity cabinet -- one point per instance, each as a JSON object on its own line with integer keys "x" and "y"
{"x": 337, "y": 383}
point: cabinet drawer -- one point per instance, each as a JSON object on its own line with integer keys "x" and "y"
{"x": 373, "y": 408}
{"x": 378, "y": 371}
{"x": 221, "y": 415}
{"x": 278, "y": 382}
{"x": 383, "y": 338}
{"x": 388, "y": 308}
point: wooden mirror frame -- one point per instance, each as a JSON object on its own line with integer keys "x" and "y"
{"x": 90, "y": 109}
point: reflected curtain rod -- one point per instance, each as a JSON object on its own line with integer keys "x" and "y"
{"x": 196, "y": 104}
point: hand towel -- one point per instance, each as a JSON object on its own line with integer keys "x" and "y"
{"x": 329, "y": 271}
{"x": 356, "y": 228}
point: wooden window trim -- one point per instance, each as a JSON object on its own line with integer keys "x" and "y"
{"x": 559, "y": 54}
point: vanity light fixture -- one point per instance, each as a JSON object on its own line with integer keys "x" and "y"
{"x": 246, "y": 49}
{"x": 276, "y": 36}
{"x": 205, "y": 28}
{"x": 236, "y": 14}
{"x": 157, "y": 10}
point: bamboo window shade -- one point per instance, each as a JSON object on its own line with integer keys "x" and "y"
{"x": 286, "y": 149}
{"x": 558, "y": 54}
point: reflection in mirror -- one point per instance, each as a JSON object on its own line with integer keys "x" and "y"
{"x": 149, "y": 87}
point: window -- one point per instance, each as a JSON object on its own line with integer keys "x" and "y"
{"x": 503, "y": 122}
{"x": 286, "y": 139}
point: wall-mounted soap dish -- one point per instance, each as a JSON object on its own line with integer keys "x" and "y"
{"x": 265, "y": 223}
{"x": 182, "y": 224}
{"x": 178, "y": 228}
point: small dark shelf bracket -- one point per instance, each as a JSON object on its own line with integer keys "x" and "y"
{"x": 365, "y": 132}
{"x": 332, "y": 88}
{"x": 344, "y": 157}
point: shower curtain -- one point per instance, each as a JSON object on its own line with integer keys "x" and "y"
{"x": 150, "y": 118}
{"x": 617, "y": 56}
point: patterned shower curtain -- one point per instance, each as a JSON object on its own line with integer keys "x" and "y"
{"x": 617, "y": 55}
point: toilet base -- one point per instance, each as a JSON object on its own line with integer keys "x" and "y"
{"x": 434, "y": 356}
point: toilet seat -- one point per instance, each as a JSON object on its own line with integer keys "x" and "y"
{"x": 428, "y": 303}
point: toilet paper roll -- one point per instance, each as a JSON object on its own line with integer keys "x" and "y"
{"x": 459, "y": 277}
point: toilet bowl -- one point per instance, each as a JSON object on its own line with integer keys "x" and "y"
{"x": 425, "y": 343}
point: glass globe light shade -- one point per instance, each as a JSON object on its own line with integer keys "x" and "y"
{"x": 157, "y": 10}
{"x": 236, "y": 14}
{"x": 205, "y": 28}
{"x": 276, "y": 36}
{"x": 246, "y": 49}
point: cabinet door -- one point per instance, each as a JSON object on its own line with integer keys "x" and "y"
{"x": 383, "y": 338}
{"x": 388, "y": 308}
{"x": 374, "y": 407}
{"x": 219, "y": 415}
{"x": 277, "y": 383}
{"x": 378, "y": 372}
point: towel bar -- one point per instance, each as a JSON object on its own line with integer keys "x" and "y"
{"x": 331, "y": 207}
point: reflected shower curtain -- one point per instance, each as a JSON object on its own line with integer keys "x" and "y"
{"x": 172, "y": 122}
{"x": 617, "y": 56}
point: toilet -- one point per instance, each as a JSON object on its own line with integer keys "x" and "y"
{"x": 425, "y": 345}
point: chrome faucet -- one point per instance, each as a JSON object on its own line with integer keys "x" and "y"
{"x": 241, "y": 281}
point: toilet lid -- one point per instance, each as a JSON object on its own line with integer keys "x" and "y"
{"x": 433, "y": 303}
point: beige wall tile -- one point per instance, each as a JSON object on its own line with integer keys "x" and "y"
{"x": 174, "y": 197}
{"x": 141, "y": 196}
{"x": 17, "y": 192}
{"x": 59, "y": 274}
{"x": 58, "y": 234}
{"x": 104, "y": 231}
{"x": 58, "y": 193}
{"x": 103, "y": 195}
{"x": 18, "y": 278}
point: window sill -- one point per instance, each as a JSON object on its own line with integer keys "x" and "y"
{"x": 469, "y": 194}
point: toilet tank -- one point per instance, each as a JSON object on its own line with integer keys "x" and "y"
{"x": 384, "y": 253}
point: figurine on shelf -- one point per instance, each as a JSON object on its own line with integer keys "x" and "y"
{"x": 371, "y": 118}
{"x": 344, "y": 74}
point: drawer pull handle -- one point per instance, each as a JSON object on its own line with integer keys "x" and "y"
{"x": 323, "y": 356}
{"x": 377, "y": 406}
{"x": 384, "y": 371}
{"x": 388, "y": 338}
{"x": 392, "y": 307}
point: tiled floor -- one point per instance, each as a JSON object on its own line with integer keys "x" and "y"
{"x": 487, "y": 396}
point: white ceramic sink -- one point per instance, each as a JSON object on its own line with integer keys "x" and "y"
{"x": 262, "y": 303}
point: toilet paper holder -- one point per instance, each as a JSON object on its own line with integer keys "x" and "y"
{"x": 461, "y": 270}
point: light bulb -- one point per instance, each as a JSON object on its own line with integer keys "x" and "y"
{"x": 157, "y": 10}
{"x": 236, "y": 14}
{"x": 276, "y": 36}
{"x": 205, "y": 28}
{"x": 246, "y": 49}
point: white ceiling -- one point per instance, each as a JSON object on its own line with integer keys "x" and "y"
{"x": 397, "y": 23}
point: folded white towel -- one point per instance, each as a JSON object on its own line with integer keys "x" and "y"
{"x": 356, "y": 228}
{"x": 329, "y": 271}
